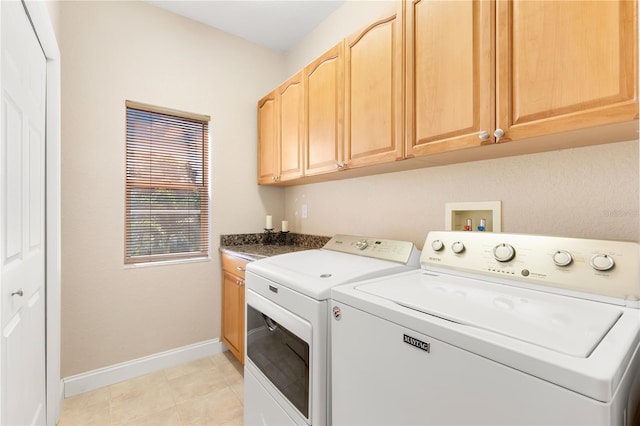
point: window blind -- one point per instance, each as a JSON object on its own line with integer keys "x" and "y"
{"x": 167, "y": 196}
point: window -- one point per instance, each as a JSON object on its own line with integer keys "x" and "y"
{"x": 167, "y": 197}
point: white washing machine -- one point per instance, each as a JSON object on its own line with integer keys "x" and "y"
{"x": 286, "y": 374}
{"x": 494, "y": 329}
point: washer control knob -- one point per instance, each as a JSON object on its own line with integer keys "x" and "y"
{"x": 602, "y": 262}
{"x": 562, "y": 258}
{"x": 437, "y": 245}
{"x": 362, "y": 244}
{"x": 504, "y": 252}
{"x": 457, "y": 247}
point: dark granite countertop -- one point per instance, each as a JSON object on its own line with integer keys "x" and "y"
{"x": 258, "y": 246}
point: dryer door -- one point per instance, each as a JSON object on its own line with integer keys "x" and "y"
{"x": 278, "y": 347}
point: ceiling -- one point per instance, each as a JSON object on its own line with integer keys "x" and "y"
{"x": 276, "y": 24}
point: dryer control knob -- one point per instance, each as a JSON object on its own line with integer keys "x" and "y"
{"x": 437, "y": 245}
{"x": 562, "y": 258}
{"x": 362, "y": 244}
{"x": 457, "y": 247}
{"x": 602, "y": 262}
{"x": 504, "y": 252}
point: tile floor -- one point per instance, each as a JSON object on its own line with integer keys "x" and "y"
{"x": 208, "y": 391}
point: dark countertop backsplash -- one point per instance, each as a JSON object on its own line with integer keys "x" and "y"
{"x": 258, "y": 246}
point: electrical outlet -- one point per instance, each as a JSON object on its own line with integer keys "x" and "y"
{"x": 304, "y": 211}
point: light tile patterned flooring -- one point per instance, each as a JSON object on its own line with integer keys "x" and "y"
{"x": 208, "y": 391}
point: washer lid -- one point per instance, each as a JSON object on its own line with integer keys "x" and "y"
{"x": 560, "y": 323}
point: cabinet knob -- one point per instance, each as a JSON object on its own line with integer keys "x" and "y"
{"x": 484, "y": 135}
{"x": 240, "y": 268}
{"x": 341, "y": 165}
{"x": 498, "y": 133}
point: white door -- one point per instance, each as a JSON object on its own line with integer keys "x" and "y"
{"x": 22, "y": 214}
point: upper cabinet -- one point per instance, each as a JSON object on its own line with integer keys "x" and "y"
{"x": 455, "y": 81}
{"x": 449, "y": 74}
{"x": 565, "y": 65}
{"x": 268, "y": 146}
{"x": 291, "y": 94}
{"x": 480, "y": 72}
{"x": 324, "y": 109}
{"x": 374, "y": 92}
{"x": 281, "y": 132}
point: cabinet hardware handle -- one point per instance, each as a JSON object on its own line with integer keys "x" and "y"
{"x": 498, "y": 133}
{"x": 240, "y": 268}
{"x": 484, "y": 135}
{"x": 18, "y": 293}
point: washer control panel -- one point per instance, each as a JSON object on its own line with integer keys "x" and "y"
{"x": 404, "y": 252}
{"x": 600, "y": 267}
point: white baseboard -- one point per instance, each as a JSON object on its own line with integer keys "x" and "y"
{"x": 85, "y": 382}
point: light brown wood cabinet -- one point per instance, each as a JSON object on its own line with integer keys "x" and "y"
{"x": 374, "y": 92}
{"x": 449, "y": 74}
{"x": 480, "y": 72}
{"x": 441, "y": 79}
{"x": 281, "y": 132}
{"x": 565, "y": 65}
{"x": 324, "y": 112}
{"x": 291, "y": 104}
{"x": 268, "y": 145}
{"x": 233, "y": 272}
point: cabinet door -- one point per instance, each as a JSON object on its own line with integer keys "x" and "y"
{"x": 449, "y": 74}
{"x": 233, "y": 304}
{"x": 324, "y": 81}
{"x": 374, "y": 92}
{"x": 233, "y": 313}
{"x": 565, "y": 65}
{"x": 291, "y": 128}
{"x": 268, "y": 166}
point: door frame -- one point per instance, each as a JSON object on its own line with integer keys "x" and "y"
{"x": 43, "y": 27}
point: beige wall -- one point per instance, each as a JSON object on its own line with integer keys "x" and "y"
{"x": 587, "y": 192}
{"x": 113, "y": 51}
{"x": 53, "y": 8}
